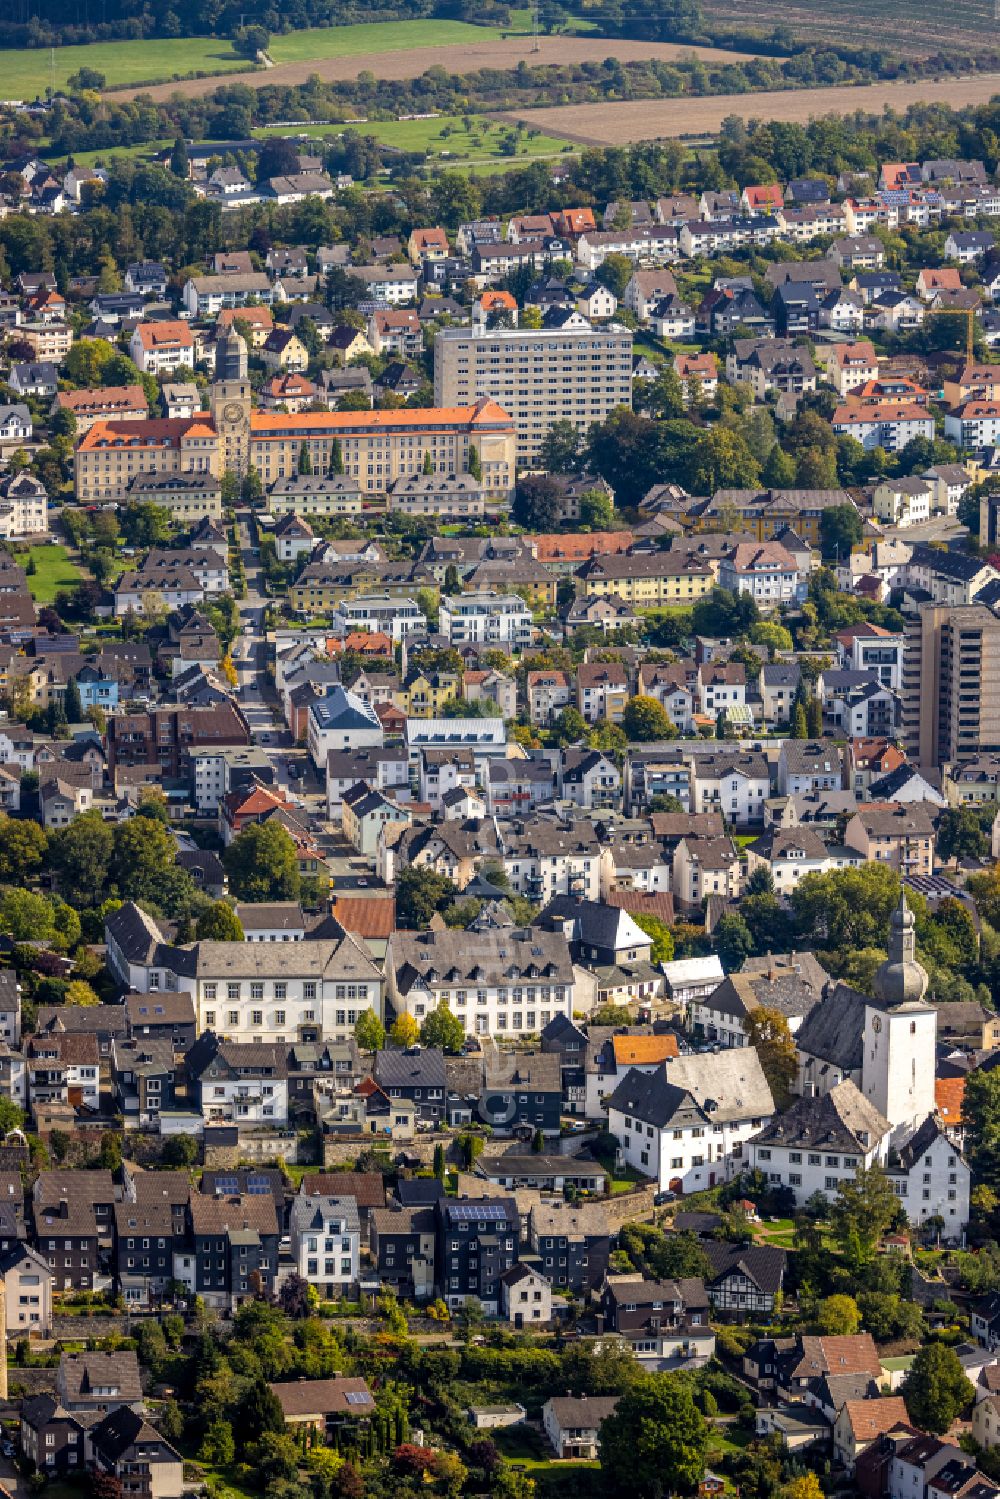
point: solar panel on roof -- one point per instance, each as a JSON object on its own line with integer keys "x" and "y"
{"x": 357, "y": 1397}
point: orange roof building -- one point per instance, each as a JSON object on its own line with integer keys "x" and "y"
{"x": 376, "y": 447}
{"x": 574, "y": 221}
{"x": 171, "y": 335}
{"x": 497, "y": 301}
{"x": 638, "y": 1051}
{"x": 949, "y": 1098}
{"x": 111, "y": 453}
{"x": 557, "y": 547}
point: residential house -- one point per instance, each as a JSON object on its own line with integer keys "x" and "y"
{"x": 688, "y": 1125}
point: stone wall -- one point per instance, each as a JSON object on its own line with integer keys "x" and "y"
{"x": 630, "y": 1207}
{"x": 31, "y": 1381}
{"x": 75, "y": 1329}
{"x": 253, "y": 1151}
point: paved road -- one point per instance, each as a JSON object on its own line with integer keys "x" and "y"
{"x": 256, "y": 694}
{"x": 11, "y": 1481}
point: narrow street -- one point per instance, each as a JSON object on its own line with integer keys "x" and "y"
{"x": 293, "y": 770}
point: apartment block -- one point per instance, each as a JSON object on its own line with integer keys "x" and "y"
{"x": 539, "y": 375}
{"x": 951, "y": 683}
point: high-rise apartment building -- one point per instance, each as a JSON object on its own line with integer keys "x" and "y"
{"x": 539, "y": 376}
{"x": 951, "y": 683}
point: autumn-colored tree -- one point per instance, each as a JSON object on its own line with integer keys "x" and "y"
{"x": 768, "y": 1033}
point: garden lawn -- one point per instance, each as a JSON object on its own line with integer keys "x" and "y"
{"x": 780, "y": 1233}
{"x": 54, "y": 570}
{"x": 526, "y": 1447}
{"x": 28, "y": 71}
{"x": 728, "y": 1438}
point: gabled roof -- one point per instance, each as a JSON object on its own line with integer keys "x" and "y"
{"x": 763, "y": 1265}
{"x": 842, "y": 1119}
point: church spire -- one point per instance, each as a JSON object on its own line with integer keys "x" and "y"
{"x": 901, "y": 980}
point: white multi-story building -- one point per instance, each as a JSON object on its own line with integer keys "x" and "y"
{"x": 819, "y": 1143}
{"x": 325, "y": 1237}
{"x": 974, "y": 425}
{"x": 502, "y": 620}
{"x": 218, "y": 771}
{"x": 688, "y": 1125}
{"x": 380, "y": 613}
{"x": 341, "y": 721}
{"x": 735, "y": 785}
{"x": 931, "y": 1178}
{"x": 546, "y": 858}
{"x": 24, "y": 507}
{"x": 241, "y": 1082}
{"x": 764, "y": 570}
{"x": 509, "y": 982}
{"x": 251, "y": 991}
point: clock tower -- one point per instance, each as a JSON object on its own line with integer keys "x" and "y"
{"x": 900, "y": 1033}
{"x": 230, "y": 402}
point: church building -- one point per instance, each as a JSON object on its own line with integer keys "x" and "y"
{"x": 876, "y": 1104}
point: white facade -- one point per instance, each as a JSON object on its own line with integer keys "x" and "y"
{"x": 898, "y": 1052}
{"x": 902, "y": 503}
{"x": 936, "y": 1185}
{"x": 976, "y": 425}
{"x": 326, "y": 1243}
{"x": 261, "y": 991}
{"x": 810, "y": 1171}
{"x": 689, "y": 1159}
{"x": 502, "y": 620}
{"x": 542, "y": 876}
{"x": 739, "y": 796}
{"x": 909, "y": 1480}
{"x": 380, "y": 613}
{"x": 24, "y": 511}
{"x": 245, "y": 1101}
{"x": 357, "y": 728}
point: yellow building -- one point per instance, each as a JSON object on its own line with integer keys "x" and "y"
{"x": 765, "y": 513}
{"x": 378, "y": 447}
{"x": 647, "y": 581}
{"x": 425, "y": 695}
{"x": 321, "y": 586}
{"x": 112, "y": 453}
{"x": 375, "y": 447}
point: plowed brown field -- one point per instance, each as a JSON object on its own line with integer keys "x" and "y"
{"x": 651, "y": 119}
{"x": 492, "y": 52}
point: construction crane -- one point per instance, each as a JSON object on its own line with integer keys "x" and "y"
{"x": 969, "y": 313}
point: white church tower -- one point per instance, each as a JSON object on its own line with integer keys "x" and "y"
{"x": 900, "y": 1036}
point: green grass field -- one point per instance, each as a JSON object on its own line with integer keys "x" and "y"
{"x": 380, "y": 36}
{"x": 53, "y": 570}
{"x": 29, "y": 72}
{"x": 443, "y": 136}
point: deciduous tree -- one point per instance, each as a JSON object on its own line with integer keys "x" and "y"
{"x": 442, "y": 1028}
{"x": 369, "y": 1032}
{"x": 219, "y": 923}
{"x": 863, "y": 1211}
{"x": 645, "y": 719}
{"x": 936, "y": 1389}
{"x": 768, "y": 1033}
{"x": 655, "y": 1442}
{"x": 262, "y": 864}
